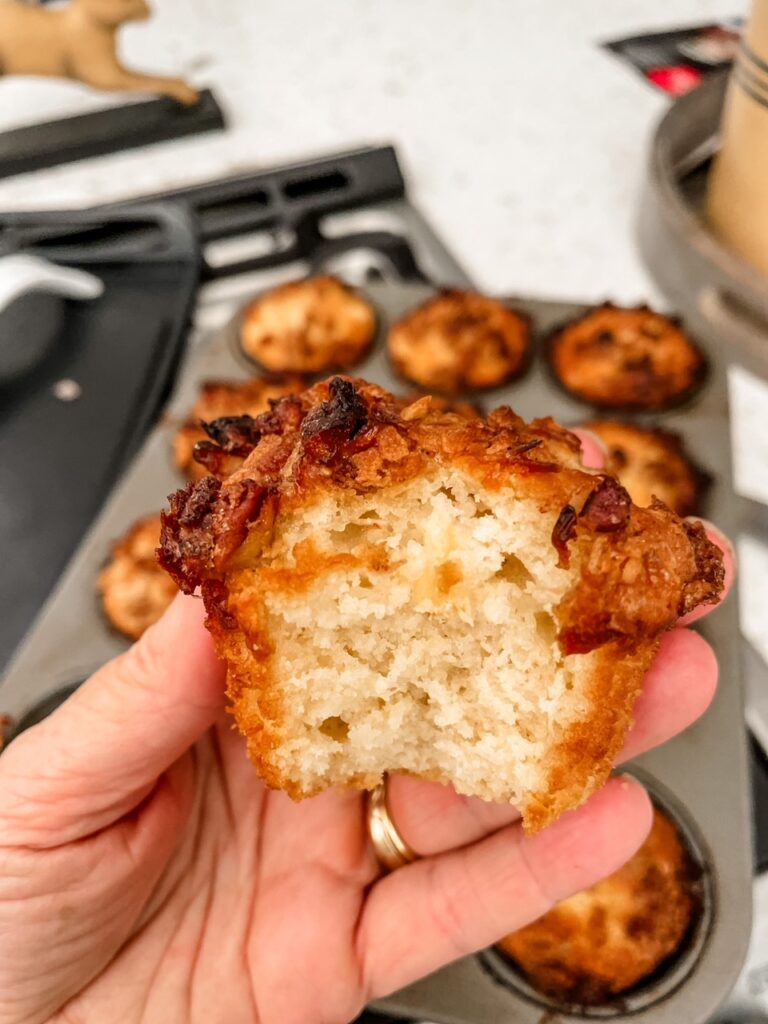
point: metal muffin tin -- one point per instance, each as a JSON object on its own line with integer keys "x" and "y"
{"x": 701, "y": 777}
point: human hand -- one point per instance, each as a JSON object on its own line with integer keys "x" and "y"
{"x": 147, "y": 875}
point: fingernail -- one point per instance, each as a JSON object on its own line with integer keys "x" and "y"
{"x": 585, "y": 434}
{"x": 625, "y": 776}
{"x": 595, "y": 438}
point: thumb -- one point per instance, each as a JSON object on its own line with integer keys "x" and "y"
{"x": 101, "y": 752}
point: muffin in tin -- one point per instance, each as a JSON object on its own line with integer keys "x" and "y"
{"x": 219, "y": 398}
{"x": 134, "y": 590}
{"x": 460, "y": 341}
{"x": 651, "y": 462}
{"x": 308, "y": 326}
{"x": 601, "y": 943}
{"x": 630, "y": 358}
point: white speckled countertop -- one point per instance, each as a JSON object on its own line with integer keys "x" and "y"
{"x": 523, "y": 142}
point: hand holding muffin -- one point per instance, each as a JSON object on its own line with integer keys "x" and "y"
{"x": 362, "y": 561}
{"x": 178, "y": 843}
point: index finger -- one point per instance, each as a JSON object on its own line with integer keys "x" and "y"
{"x": 101, "y": 751}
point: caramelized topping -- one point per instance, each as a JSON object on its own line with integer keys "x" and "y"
{"x": 234, "y": 434}
{"x": 563, "y": 531}
{"x": 606, "y": 510}
{"x": 332, "y": 423}
{"x": 608, "y": 507}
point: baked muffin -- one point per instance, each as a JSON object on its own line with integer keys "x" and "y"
{"x": 651, "y": 462}
{"x": 308, "y": 326}
{"x": 219, "y": 398}
{"x": 133, "y": 588}
{"x": 614, "y": 357}
{"x": 460, "y": 341}
{"x": 604, "y": 941}
{"x": 401, "y": 589}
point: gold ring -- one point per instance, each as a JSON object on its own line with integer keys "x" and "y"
{"x": 390, "y": 848}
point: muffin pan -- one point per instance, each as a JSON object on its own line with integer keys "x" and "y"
{"x": 701, "y": 777}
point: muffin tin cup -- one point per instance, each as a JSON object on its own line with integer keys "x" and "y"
{"x": 702, "y": 775}
{"x": 38, "y": 712}
{"x": 687, "y": 398}
{"x": 676, "y": 968}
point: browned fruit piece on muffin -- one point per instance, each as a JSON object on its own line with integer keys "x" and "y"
{"x": 651, "y": 462}
{"x": 439, "y": 403}
{"x": 460, "y": 341}
{"x": 133, "y": 588}
{"x": 598, "y": 944}
{"x": 308, "y": 326}
{"x": 400, "y": 589}
{"x": 615, "y": 357}
{"x": 219, "y": 398}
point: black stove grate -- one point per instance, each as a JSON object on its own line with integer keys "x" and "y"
{"x": 60, "y": 460}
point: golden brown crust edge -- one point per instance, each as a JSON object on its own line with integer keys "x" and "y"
{"x": 589, "y": 749}
{"x": 642, "y": 568}
{"x": 133, "y": 590}
{"x": 222, "y": 398}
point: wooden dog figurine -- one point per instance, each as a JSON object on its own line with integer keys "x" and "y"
{"x": 78, "y": 41}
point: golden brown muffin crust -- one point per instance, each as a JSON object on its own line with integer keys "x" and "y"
{"x": 651, "y": 462}
{"x": 308, "y": 326}
{"x": 460, "y": 341}
{"x": 133, "y": 588}
{"x": 219, "y": 398}
{"x": 616, "y": 357}
{"x": 597, "y": 945}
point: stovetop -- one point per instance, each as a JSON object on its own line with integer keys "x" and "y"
{"x": 350, "y": 215}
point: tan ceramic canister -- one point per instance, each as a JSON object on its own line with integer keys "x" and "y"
{"x": 737, "y": 201}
